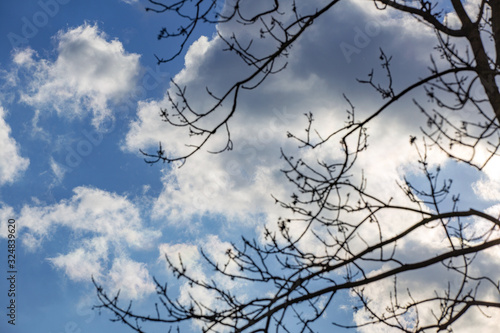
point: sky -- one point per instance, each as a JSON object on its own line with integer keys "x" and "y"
{"x": 80, "y": 95}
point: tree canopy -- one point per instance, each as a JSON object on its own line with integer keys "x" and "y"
{"x": 338, "y": 237}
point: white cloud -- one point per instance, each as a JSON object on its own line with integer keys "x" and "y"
{"x": 470, "y": 6}
{"x": 191, "y": 259}
{"x": 437, "y": 280}
{"x": 131, "y": 278}
{"x": 197, "y": 268}
{"x": 189, "y": 255}
{"x": 12, "y": 164}
{"x": 250, "y": 173}
{"x": 432, "y": 281}
{"x": 90, "y": 210}
{"x": 488, "y": 187}
{"x": 38, "y": 131}
{"x": 24, "y": 57}
{"x": 85, "y": 261}
{"x": 104, "y": 226}
{"x": 58, "y": 171}
{"x": 237, "y": 184}
{"x": 89, "y": 74}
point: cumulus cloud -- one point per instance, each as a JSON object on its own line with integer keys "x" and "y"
{"x": 90, "y": 73}
{"x": 12, "y": 164}
{"x": 85, "y": 261}
{"x": 189, "y": 255}
{"x": 488, "y": 187}
{"x": 131, "y": 277}
{"x": 471, "y": 7}
{"x": 250, "y": 172}
{"x": 436, "y": 280}
{"x": 90, "y": 210}
{"x": 237, "y": 184}
{"x": 104, "y": 226}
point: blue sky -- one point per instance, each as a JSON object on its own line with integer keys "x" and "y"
{"x": 80, "y": 93}
{"x": 47, "y": 300}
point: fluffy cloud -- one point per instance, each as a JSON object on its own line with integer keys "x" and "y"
{"x": 105, "y": 227}
{"x": 488, "y": 187}
{"x": 12, "y": 164}
{"x": 238, "y": 184}
{"x": 89, "y": 74}
{"x": 323, "y": 64}
{"x": 197, "y": 268}
{"x": 90, "y": 210}
{"x": 436, "y": 280}
{"x": 85, "y": 261}
{"x": 190, "y": 256}
{"x": 317, "y": 74}
{"x": 130, "y": 277}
